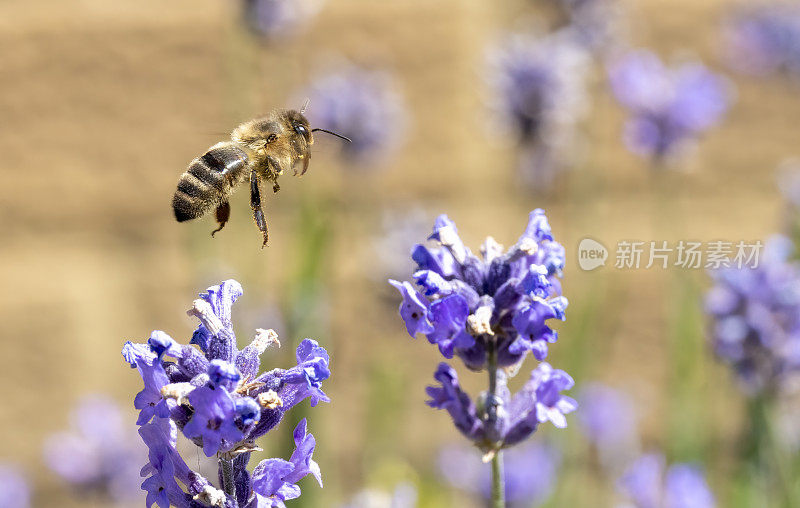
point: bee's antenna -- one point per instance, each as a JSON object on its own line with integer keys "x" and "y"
{"x": 305, "y": 105}
{"x": 333, "y": 134}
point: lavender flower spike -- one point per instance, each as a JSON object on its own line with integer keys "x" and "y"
{"x": 99, "y": 455}
{"x": 608, "y": 420}
{"x": 363, "y": 104}
{"x": 506, "y": 298}
{"x": 669, "y": 108}
{"x": 279, "y": 19}
{"x": 491, "y": 311}
{"x": 14, "y": 489}
{"x": 647, "y": 485}
{"x": 755, "y": 319}
{"x": 530, "y": 472}
{"x": 764, "y": 38}
{"x": 214, "y": 395}
{"x": 539, "y": 95}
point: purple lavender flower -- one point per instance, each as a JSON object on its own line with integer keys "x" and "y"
{"x": 14, "y": 489}
{"x": 647, "y": 485}
{"x": 278, "y": 19}
{"x": 165, "y": 467}
{"x": 764, "y": 38}
{"x": 756, "y": 319}
{"x": 215, "y": 395}
{"x": 608, "y": 419}
{"x": 669, "y": 107}
{"x": 539, "y": 95}
{"x": 99, "y": 454}
{"x": 531, "y": 472}
{"x": 491, "y": 312}
{"x": 214, "y": 418}
{"x": 274, "y": 480}
{"x": 507, "y": 298}
{"x": 362, "y": 104}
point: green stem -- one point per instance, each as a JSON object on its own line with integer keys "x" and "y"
{"x": 226, "y": 466}
{"x": 767, "y": 455}
{"x": 498, "y": 483}
{"x": 498, "y": 480}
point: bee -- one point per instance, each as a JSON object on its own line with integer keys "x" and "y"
{"x": 260, "y": 150}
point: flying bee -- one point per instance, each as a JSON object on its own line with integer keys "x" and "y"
{"x": 260, "y": 150}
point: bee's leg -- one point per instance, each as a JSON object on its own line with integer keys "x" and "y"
{"x": 223, "y": 214}
{"x": 274, "y": 169}
{"x": 255, "y": 204}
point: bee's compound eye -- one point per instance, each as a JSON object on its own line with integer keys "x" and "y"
{"x": 301, "y": 129}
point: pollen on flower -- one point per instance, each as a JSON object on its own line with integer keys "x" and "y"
{"x": 491, "y": 249}
{"x": 528, "y": 246}
{"x": 270, "y": 400}
{"x": 177, "y": 391}
{"x": 449, "y": 238}
{"x": 211, "y": 496}
{"x": 246, "y": 385}
{"x": 265, "y": 339}
{"x": 479, "y": 323}
{"x": 205, "y": 313}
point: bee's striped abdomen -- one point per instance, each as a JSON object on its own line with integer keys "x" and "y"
{"x": 209, "y": 181}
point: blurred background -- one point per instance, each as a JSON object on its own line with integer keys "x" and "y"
{"x": 104, "y": 104}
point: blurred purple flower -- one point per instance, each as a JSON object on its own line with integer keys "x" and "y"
{"x": 276, "y": 19}
{"x": 100, "y": 453}
{"x": 403, "y": 496}
{"x": 756, "y": 319}
{"x": 669, "y": 107}
{"x": 598, "y": 25}
{"x": 362, "y": 104}
{"x": 608, "y": 419}
{"x": 215, "y": 395}
{"x": 530, "y": 472}
{"x": 762, "y": 38}
{"x": 539, "y": 94}
{"x": 647, "y": 485}
{"x": 14, "y": 489}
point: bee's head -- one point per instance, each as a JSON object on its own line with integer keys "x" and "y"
{"x": 297, "y": 126}
{"x": 301, "y": 126}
